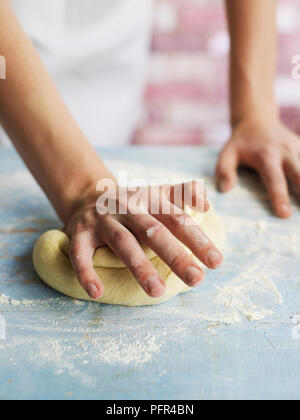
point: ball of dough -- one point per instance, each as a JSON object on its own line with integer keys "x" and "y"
{"x": 52, "y": 263}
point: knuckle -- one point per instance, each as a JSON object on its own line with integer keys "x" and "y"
{"x": 177, "y": 221}
{"x": 141, "y": 271}
{"x": 273, "y": 177}
{"x": 138, "y": 267}
{"x": 265, "y": 154}
{"x": 177, "y": 260}
{"x": 136, "y": 263}
{"x": 82, "y": 273}
{"x": 153, "y": 229}
{"x": 119, "y": 238}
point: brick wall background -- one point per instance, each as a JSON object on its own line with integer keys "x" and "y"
{"x": 186, "y": 98}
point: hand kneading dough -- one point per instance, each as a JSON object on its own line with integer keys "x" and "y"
{"x": 52, "y": 263}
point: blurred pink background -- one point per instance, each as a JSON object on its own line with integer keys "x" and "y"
{"x": 186, "y": 97}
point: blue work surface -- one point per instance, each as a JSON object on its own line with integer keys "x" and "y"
{"x": 235, "y": 337}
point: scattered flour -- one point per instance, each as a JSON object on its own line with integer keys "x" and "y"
{"x": 121, "y": 350}
{"x": 150, "y": 232}
{"x": 252, "y": 295}
{"x": 63, "y": 339}
{"x": 7, "y": 300}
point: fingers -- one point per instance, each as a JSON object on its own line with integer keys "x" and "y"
{"x": 195, "y": 196}
{"x": 81, "y": 253}
{"x": 126, "y": 246}
{"x": 192, "y": 194}
{"x": 166, "y": 246}
{"x": 272, "y": 174}
{"x": 226, "y": 171}
{"x": 187, "y": 231}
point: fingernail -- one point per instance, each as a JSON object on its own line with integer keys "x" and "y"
{"x": 157, "y": 291}
{"x": 214, "y": 258}
{"x": 156, "y": 287}
{"x": 93, "y": 291}
{"x": 285, "y": 210}
{"x": 223, "y": 185}
{"x": 193, "y": 276}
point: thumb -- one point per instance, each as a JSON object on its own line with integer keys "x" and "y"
{"x": 226, "y": 172}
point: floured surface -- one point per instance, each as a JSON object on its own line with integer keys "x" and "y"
{"x": 232, "y": 337}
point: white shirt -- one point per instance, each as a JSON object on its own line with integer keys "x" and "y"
{"x": 96, "y": 52}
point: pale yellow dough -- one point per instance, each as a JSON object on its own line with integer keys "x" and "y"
{"x": 52, "y": 263}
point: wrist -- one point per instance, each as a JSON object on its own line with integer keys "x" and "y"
{"x": 251, "y": 94}
{"x": 82, "y": 196}
{"x": 262, "y": 110}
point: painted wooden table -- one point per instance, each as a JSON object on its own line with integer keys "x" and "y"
{"x": 236, "y": 337}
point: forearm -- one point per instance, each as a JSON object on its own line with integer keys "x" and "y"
{"x": 39, "y": 124}
{"x": 252, "y": 27}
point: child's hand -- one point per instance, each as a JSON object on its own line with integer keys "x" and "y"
{"x": 272, "y": 150}
{"x": 122, "y": 232}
